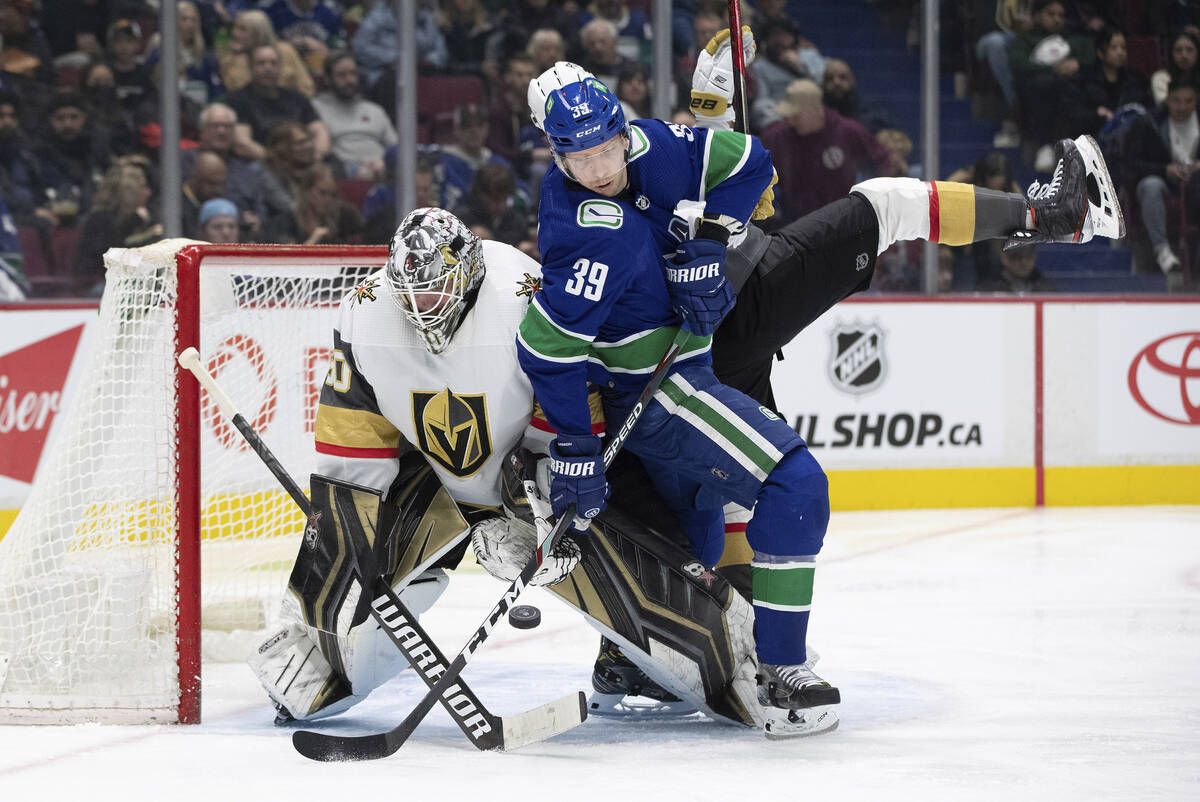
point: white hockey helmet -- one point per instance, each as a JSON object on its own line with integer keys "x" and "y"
{"x": 434, "y": 265}
{"x": 563, "y": 73}
{"x": 577, "y": 112}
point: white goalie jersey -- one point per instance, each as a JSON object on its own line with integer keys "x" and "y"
{"x": 463, "y": 409}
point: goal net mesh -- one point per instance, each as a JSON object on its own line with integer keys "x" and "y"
{"x": 89, "y": 581}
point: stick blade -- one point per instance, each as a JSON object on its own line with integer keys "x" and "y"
{"x": 336, "y": 748}
{"x": 544, "y": 722}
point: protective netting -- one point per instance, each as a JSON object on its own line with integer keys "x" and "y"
{"x": 88, "y": 589}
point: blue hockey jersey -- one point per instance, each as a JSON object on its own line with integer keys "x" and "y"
{"x": 603, "y": 314}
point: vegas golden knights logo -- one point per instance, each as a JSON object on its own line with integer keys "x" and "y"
{"x": 453, "y": 430}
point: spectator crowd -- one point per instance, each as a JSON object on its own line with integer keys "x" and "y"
{"x": 287, "y": 110}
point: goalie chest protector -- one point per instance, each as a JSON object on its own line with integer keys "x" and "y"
{"x": 466, "y": 407}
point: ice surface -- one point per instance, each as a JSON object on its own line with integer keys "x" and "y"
{"x": 981, "y": 654}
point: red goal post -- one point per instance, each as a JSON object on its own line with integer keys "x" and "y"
{"x": 150, "y": 520}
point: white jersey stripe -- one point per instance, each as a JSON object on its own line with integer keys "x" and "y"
{"x": 586, "y": 338}
{"x": 784, "y": 608}
{"x": 545, "y": 358}
{"x": 712, "y": 434}
{"x": 744, "y": 428}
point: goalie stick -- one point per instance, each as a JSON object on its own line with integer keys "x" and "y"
{"x": 329, "y": 747}
{"x": 484, "y": 729}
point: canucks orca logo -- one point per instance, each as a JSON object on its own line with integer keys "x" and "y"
{"x": 452, "y": 429}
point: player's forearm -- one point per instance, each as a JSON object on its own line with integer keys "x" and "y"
{"x": 739, "y": 170}
{"x": 561, "y": 391}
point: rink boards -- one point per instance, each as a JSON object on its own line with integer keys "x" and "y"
{"x": 906, "y": 401}
{"x": 969, "y": 402}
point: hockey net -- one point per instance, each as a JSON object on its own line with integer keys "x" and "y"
{"x": 150, "y": 514}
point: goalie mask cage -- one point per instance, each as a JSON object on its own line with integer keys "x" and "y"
{"x": 150, "y": 514}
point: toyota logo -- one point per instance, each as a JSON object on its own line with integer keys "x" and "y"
{"x": 1165, "y": 376}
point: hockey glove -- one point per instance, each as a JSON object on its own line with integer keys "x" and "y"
{"x": 503, "y": 546}
{"x": 577, "y": 477}
{"x": 765, "y": 207}
{"x": 712, "y": 81}
{"x": 697, "y": 286}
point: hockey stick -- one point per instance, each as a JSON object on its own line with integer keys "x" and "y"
{"x": 327, "y": 747}
{"x": 742, "y": 123}
{"x": 484, "y": 729}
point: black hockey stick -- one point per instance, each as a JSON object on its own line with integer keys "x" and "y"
{"x": 484, "y": 729}
{"x": 327, "y": 747}
{"x": 742, "y": 121}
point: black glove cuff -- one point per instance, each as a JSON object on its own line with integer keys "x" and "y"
{"x": 712, "y": 230}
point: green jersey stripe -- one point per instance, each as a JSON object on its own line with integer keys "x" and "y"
{"x": 537, "y": 304}
{"x": 547, "y": 357}
{"x": 539, "y": 335}
{"x": 746, "y": 429}
{"x": 641, "y": 352}
{"x": 719, "y": 424}
{"x": 791, "y": 587}
{"x": 727, "y": 153}
{"x": 738, "y": 433}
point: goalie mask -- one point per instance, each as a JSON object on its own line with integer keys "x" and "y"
{"x": 579, "y": 113}
{"x": 434, "y": 266}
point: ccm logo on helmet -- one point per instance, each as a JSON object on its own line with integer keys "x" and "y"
{"x": 587, "y": 131}
{"x": 564, "y": 468}
{"x": 681, "y": 275}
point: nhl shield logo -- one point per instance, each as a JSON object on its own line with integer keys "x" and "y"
{"x": 857, "y": 364}
{"x": 453, "y": 430}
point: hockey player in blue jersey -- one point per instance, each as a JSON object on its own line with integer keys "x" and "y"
{"x": 609, "y": 305}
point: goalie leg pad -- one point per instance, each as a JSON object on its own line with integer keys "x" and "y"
{"x": 351, "y": 540}
{"x": 296, "y": 675}
{"x": 667, "y": 611}
{"x": 369, "y": 657}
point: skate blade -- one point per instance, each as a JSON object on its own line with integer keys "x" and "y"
{"x": 1104, "y": 210}
{"x": 783, "y": 724}
{"x": 639, "y": 708}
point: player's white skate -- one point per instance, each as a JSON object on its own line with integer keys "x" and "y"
{"x": 796, "y": 702}
{"x": 1078, "y": 203}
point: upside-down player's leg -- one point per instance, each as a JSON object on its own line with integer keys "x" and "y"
{"x": 791, "y": 277}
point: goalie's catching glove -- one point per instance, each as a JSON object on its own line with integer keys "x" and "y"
{"x": 712, "y": 81}
{"x": 577, "y": 477}
{"x": 697, "y": 286}
{"x": 504, "y": 546}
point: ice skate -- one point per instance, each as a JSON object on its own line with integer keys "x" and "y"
{"x": 622, "y": 690}
{"x": 796, "y": 702}
{"x": 1078, "y": 203}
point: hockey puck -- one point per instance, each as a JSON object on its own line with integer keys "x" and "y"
{"x": 524, "y": 616}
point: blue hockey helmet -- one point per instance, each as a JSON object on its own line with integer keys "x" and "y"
{"x": 574, "y": 109}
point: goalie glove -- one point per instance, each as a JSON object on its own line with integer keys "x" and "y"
{"x": 504, "y": 546}
{"x": 713, "y": 80}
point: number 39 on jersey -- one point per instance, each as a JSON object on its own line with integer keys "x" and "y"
{"x": 588, "y": 280}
